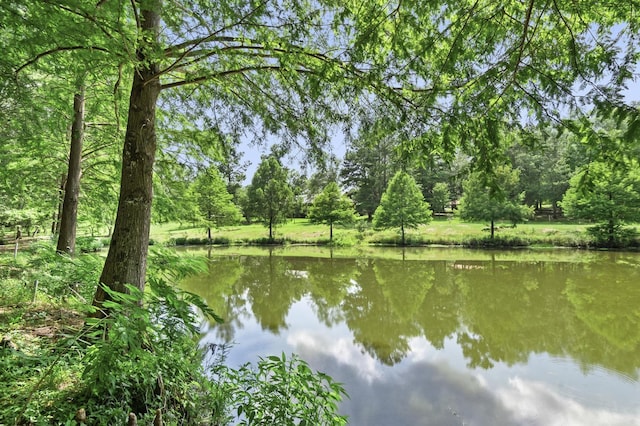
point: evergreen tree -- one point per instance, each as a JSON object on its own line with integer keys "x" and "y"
{"x": 605, "y": 194}
{"x": 270, "y": 195}
{"x": 402, "y": 205}
{"x": 440, "y": 197}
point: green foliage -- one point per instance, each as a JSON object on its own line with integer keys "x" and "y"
{"x": 500, "y": 241}
{"x": 141, "y": 358}
{"x": 619, "y": 236}
{"x": 366, "y": 169}
{"x": 59, "y": 275}
{"x": 27, "y": 218}
{"x": 607, "y": 195}
{"x": 282, "y": 391}
{"x": 89, "y": 244}
{"x": 144, "y": 358}
{"x": 331, "y": 207}
{"x": 214, "y": 201}
{"x": 440, "y": 197}
{"x": 270, "y": 195}
{"x": 481, "y": 200}
{"x": 402, "y": 205}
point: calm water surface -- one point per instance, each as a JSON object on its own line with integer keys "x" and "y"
{"x": 443, "y": 336}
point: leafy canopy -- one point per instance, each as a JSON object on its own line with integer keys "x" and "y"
{"x": 331, "y": 207}
{"x": 402, "y": 205}
{"x": 605, "y": 194}
{"x": 270, "y": 195}
{"x": 214, "y": 201}
{"x": 481, "y": 201}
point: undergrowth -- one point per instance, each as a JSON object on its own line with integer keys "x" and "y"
{"x": 58, "y": 367}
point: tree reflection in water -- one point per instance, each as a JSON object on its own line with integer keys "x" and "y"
{"x": 392, "y": 330}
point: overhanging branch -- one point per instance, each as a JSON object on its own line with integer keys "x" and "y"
{"x": 56, "y": 50}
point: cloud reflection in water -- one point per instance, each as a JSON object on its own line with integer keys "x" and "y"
{"x": 427, "y": 390}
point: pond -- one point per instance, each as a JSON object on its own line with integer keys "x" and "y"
{"x": 442, "y": 336}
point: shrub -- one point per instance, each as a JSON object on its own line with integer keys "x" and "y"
{"x": 221, "y": 240}
{"x": 265, "y": 241}
{"x": 179, "y": 241}
{"x": 497, "y": 241}
{"x": 88, "y": 244}
{"x": 282, "y": 391}
{"x": 147, "y": 359}
{"x": 622, "y": 236}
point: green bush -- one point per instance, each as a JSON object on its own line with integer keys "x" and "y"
{"x": 179, "y": 241}
{"x": 195, "y": 241}
{"x": 60, "y": 275}
{"x": 144, "y": 358}
{"x": 265, "y": 241}
{"x": 497, "y": 241}
{"x": 282, "y": 391}
{"x": 622, "y": 236}
{"x": 221, "y": 240}
{"x": 88, "y": 244}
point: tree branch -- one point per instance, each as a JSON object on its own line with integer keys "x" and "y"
{"x": 56, "y": 50}
{"x": 225, "y": 74}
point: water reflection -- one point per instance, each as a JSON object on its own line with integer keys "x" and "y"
{"x": 496, "y": 314}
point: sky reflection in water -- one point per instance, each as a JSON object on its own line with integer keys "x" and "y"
{"x": 473, "y": 369}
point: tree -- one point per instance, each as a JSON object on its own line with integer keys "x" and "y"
{"x": 331, "y": 207}
{"x": 440, "y": 197}
{"x": 610, "y": 195}
{"x": 366, "y": 170}
{"x": 270, "y": 195}
{"x": 402, "y": 205}
{"x": 69, "y": 213}
{"x": 214, "y": 201}
{"x": 543, "y": 162}
{"x": 300, "y": 203}
{"x": 232, "y": 168}
{"x": 493, "y": 197}
{"x": 63, "y": 73}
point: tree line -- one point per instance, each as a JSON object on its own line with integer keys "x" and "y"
{"x": 556, "y": 179}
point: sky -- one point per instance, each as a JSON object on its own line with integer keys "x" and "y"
{"x": 295, "y": 158}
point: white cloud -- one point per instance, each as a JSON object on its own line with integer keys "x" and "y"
{"x": 340, "y": 349}
{"x": 533, "y": 403}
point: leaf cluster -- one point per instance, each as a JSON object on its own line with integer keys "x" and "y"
{"x": 331, "y": 206}
{"x": 283, "y": 391}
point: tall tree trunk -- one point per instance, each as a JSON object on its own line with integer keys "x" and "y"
{"x": 69, "y": 216}
{"x": 55, "y": 223}
{"x": 331, "y": 231}
{"x": 402, "y": 231}
{"x": 127, "y": 258}
{"x": 493, "y": 228}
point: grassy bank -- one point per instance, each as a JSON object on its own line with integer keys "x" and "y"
{"x": 449, "y": 232}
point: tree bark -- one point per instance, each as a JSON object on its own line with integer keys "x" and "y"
{"x": 69, "y": 216}
{"x": 493, "y": 228}
{"x": 126, "y": 261}
{"x": 55, "y": 223}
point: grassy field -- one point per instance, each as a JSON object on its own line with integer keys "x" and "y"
{"x": 438, "y": 232}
